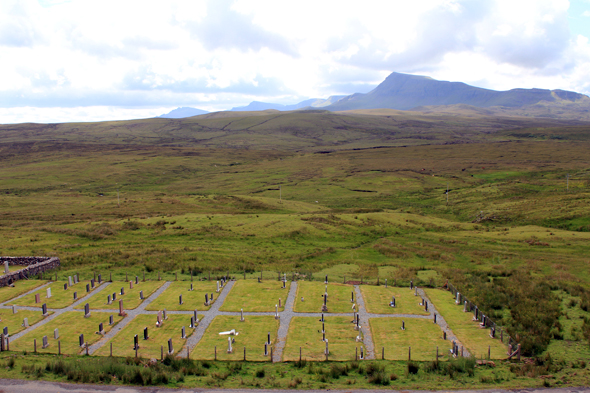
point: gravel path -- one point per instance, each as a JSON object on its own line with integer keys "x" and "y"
{"x": 364, "y": 323}
{"x": 285, "y": 320}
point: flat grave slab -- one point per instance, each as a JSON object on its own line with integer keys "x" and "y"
{"x": 339, "y": 296}
{"x": 130, "y": 298}
{"x": 14, "y": 322}
{"x": 20, "y": 287}
{"x": 377, "y": 299}
{"x": 253, "y": 333}
{"x": 474, "y": 338}
{"x": 253, "y": 296}
{"x": 70, "y": 325}
{"x": 195, "y": 299}
{"x": 60, "y": 298}
{"x": 422, "y": 335}
{"x": 306, "y": 332}
{"x": 158, "y": 337}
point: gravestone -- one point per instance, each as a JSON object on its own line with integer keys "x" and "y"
{"x": 284, "y": 285}
{"x": 206, "y": 300}
{"x": 86, "y": 310}
{"x": 130, "y": 284}
{"x": 425, "y": 305}
{"x": 211, "y": 298}
{"x": 268, "y": 338}
{"x": 122, "y": 291}
{"x": 444, "y": 335}
{"x": 182, "y": 333}
{"x": 145, "y": 333}
{"x": 327, "y": 351}
{"x": 44, "y": 309}
{"x": 25, "y": 323}
{"x": 6, "y": 269}
{"x": 100, "y": 328}
{"x": 159, "y": 319}
{"x": 352, "y": 297}
{"x": 5, "y": 330}
{"x": 242, "y": 315}
{"x": 141, "y": 295}
{"x": 265, "y": 349}
{"x": 403, "y": 325}
{"x": 136, "y": 280}
{"x": 392, "y": 303}
{"x": 279, "y": 302}
{"x": 458, "y": 299}
{"x": 55, "y": 334}
{"x": 465, "y": 306}
{"x": 322, "y": 320}
{"x": 108, "y": 299}
{"x": 99, "y": 279}
{"x": 92, "y": 283}
{"x": 37, "y": 298}
{"x": 121, "y": 311}
{"x": 70, "y": 281}
{"x": 195, "y": 317}
{"x": 217, "y": 287}
{"x": 326, "y": 280}
{"x": 81, "y": 340}
{"x": 164, "y": 314}
{"x": 13, "y": 309}
{"x": 65, "y": 286}
{"x": 385, "y": 283}
{"x": 87, "y": 287}
{"x": 111, "y": 320}
{"x": 434, "y": 318}
{"x": 192, "y": 325}
{"x": 411, "y": 284}
{"x": 75, "y": 295}
{"x": 114, "y": 296}
{"x": 170, "y": 348}
{"x": 191, "y": 287}
{"x": 45, "y": 342}
{"x": 180, "y": 299}
{"x": 135, "y": 342}
{"x": 277, "y": 311}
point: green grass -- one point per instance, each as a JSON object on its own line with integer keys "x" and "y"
{"x": 130, "y": 299}
{"x": 256, "y": 297}
{"x": 421, "y": 337}
{"x": 195, "y": 299}
{"x": 123, "y": 341}
{"x": 339, "y": 296}
{"x": 20, "y": 287}
{"x": 60, "y": 298}
{"x": 70, "y": 325}
{"x": 306, "y": 332}
{"x": 377, "y": 300}
{"x": 474, "y": 338}
{"x": 14, "y": 322}
{"x": 252, "y": 335}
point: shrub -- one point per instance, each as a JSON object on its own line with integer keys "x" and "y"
{"x": 413, "y": 368}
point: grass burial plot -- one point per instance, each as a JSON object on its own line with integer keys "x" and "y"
{"x": 377, "y": 300}
{"x": 306, "y": 332}
{"x": 158, "y": 336}
{"x": 20, "y": 287}
{"x": 191, "y": 300}
{"x": 60, "y": 297}
{"x": 14, "y": 322}
{"x": 70, "y": 325}
{"x": 253, "y": 333}
{"x": 339, "y": 296}
{"x": 253, "y": 296}
{"x": 422, "y": 335}
{"x": 130, "y": 299}
{"x": 474, "y": 338}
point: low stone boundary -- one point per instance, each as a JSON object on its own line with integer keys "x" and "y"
{"x": 32, "y": 267}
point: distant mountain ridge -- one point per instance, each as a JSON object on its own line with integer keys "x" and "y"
{"x": 181, "y": 113}
{"x": 311, "y": 103}
{"x": 405, "y": 92}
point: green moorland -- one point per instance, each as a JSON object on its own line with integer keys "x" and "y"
{"x": 358, "y": 197}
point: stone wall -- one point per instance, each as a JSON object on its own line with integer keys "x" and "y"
{"x": 32, "y": 267}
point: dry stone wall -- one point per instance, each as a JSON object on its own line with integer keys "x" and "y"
{"x": 32, "y": 267}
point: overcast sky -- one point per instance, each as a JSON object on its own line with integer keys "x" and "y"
{"x": 86, "y": 60}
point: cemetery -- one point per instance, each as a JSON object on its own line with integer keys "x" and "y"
{"x": 217, "y": 319}
{"x": 18, "y": 288}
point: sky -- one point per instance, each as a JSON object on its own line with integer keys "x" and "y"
{"x": 86, "y": 60}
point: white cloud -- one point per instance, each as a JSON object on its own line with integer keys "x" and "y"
{"x": 213, "y": 54}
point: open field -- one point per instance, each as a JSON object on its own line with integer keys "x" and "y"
{"x": 60, "y": 298}
{"x": 306, "y": 333}
{"x": 191, "y": 300}
{"x": 254, "y": 296}
{"x": 131, "y": 298}
{"x": 252, "y": 334}
{"x": 357, "y": 197}
{"x": 20, "y": 287}
{"x": 70, "y": 325}
{"x": 476, "y": 339}
{"x": 339, "y": 296}
{"x": 377, "y": 300}
{"x": 419, "y": 340}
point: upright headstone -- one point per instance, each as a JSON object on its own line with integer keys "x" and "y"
{"x": 325, "y": 282}
{"x": 111, "y": 320}
{"x": 44, "y": 309}
{"x": 411, "y": 284}
{"x": 87, "y": 287}
{"x": 26, "y": 323}
{"x": 141, "y": 295}
{"x": 159, "y": 319}
{"x": 108, "y": 299}
{"x": 87, "y": 310}
{"x": 45, "y": 342}
{"x": 217, "y": 287}
{"x": 100, "y": 328}
{"x": 135, "y": 342}
{"x": 75, "y": 295}
{"x": 182, "y": 333}
{"x": 206, "y": 300}
{"x": 65, "y": 286}
{"x": 191, "y": 287}
{"x": 55, "y": 334}
{"x": 130, "y": 284}
{"x": 403, "y": 325}
{"x": 180, "y": 299}
{"x": 170, "y": 348}
{"x": 14, "y": 309}
{"x": 277, "y": 311}
{"x": 6, "y": 269}
{"x": 242, "y": 315}
{"x": 136, "y": 280}
{"x": 164, "y": 315}
{"x": 268, "y": 338}
{"x": 92, "y": 283}
{"x": 352, "y": 297}
{"x": 229, "y": 348}
{"x": 122, "y": 291}
{"x": 37, "y": 298}
{"x": 69, "y": 281}
{"x": 145, "y": 333}
{"x": 192, "y": 325}
{"x": 121, "y": 311}
{"x": 48, "y": 293}
{"x": 99, "y": 278}
{"x": 81, "y": 340}
{"x": 114, "y": 296}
